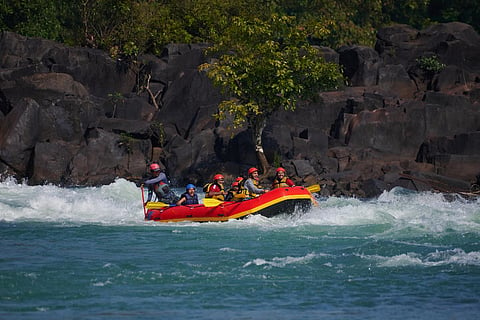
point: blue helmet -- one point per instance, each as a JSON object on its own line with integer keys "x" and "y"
{"x": 190, "y": 186}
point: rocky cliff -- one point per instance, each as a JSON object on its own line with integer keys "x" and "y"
{"x": 74, "y": 116}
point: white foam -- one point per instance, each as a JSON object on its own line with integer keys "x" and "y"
{"x": 280, "y": 262}
{"x": 118, "y": 203}
{"x": 438, "y": 258}
{"x": 121, "y": 203}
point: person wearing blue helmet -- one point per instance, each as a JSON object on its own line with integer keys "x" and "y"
{"x": 189, "y": 196}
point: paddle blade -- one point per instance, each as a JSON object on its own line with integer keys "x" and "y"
{"x": 210, "y": 202}
{"x": 314, "y": 188}
{"x": 156, "y": 205}
{"x": 143, "y": 200}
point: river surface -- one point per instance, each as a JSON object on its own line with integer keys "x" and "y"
{"x": 87, "y": 253}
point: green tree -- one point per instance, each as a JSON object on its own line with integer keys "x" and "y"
{"x": 36, "y": 18}
{"x": 411, "y": 12}
{"x": 466, "y": 11}
{"x": 335, "y": 23}
{"x": 265, "y": 65}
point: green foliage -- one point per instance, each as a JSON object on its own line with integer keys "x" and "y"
{"x": 126, "y": 141}
{"x": 337, "y": 23}
{"x": 115, "y": 98}
{"x": 430, "y": 64}
{"x": 39, "y": 18}
{"x": 411, "y": 12}
{"x": 277, "y": 159}
{"x": 466, "y": 11}
{"x": 266, "y": 65}
{"x": 131, "y": 27}
{"x": 158, "y": 132}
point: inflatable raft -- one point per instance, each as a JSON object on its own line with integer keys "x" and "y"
{"x": 275, "y": 202}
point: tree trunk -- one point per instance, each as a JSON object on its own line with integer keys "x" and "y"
{"x": 258, "y": 125}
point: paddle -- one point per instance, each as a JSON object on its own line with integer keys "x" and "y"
{"x": 210, "y": 202}
{"x": 143, "y": 201}
{"x": 156, "y": 205}
{"x": 314, "y": 188}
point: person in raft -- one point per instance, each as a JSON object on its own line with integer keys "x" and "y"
{"x": 158, "y": 185}
{"x": 215, "y": 189}
{"x": 235, "y": 194}
{"x": 252, "y": 184}
{"x": 189, "y": 196}
{"x": 281, "y": 180}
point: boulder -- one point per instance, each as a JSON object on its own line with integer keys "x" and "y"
{"x": 106, "y": 156}
{"x": 361, "y": 65}
{"x": 18, "y": 136}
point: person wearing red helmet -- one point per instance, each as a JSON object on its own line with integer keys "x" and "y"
{"x": 158, "y": 186}
{"x": 252, "y": 184}
{"x": 215, "y": 189}
{"x": 242, "y": 192}
{"x": 235, "y": 194}
{"x": 281, "y": 180}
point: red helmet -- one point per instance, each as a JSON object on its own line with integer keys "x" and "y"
{"x": 239, "y": 179}
{"x": 280, "y": 169}
{"x": 154, "y": 167}
{"x": 235, "y": 184}
{"x": 217, "y": 177}
{"x": 252, "y": 170}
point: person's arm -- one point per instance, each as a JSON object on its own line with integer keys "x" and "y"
{"x": 251, "y": 187}
{"x": 157, "y": 179}
{"x": 153, "y": 180}
{"x": 290, "y": 183}
{"x": 182, "y": 200}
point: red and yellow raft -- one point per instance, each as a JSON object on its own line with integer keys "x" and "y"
{"x": 277, "y": 201}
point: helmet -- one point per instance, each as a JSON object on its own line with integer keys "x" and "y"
{"x": 239, "y": 179}
{"x": 280, "y": 169}
{"x": 235, "y": 184}
{"x": 154, "y": 167}
{"x": 190, "y": 186}
{"x": 252, "y": 170}
{"x": 217, "y": 177}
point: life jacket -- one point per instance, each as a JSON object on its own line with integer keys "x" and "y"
{"x": 234, "y": 195}
{"x": 251, "y": 194}
{"x": 242, "y": 192}
{"x": 161, "y": 189}
{"x": 280, "y": 183}
{"x": 207, "y": 186}
{"x": 190, "y": 199}
{"x": 206, "y": 189}
{"x": 164, "y": 193}
{"x": 238, "y": 196}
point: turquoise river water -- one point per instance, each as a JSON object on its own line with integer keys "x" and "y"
{"x": 87, "y": 253}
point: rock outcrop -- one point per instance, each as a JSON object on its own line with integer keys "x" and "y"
{"x": 74, "y": 116}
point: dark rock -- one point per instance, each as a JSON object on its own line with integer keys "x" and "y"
{"x": 373, "y": 187}
{"x": 134, "y": 128}
{"x": 106, "y": 156}
{"x": 51, "y": 162}
{"x": 74, "y": 116}
{"x": 130, "y": 107}
{"x": 18, "y": 135}
{"x": 361, "y": 65}
{"x": 395, "y": 79}
{"x": 328, "y": 54}
{"x": 303, "y": 168}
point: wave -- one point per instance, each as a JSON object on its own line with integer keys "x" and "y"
{"x": 119, "y": 203}
{"x": 433, "y": 259}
